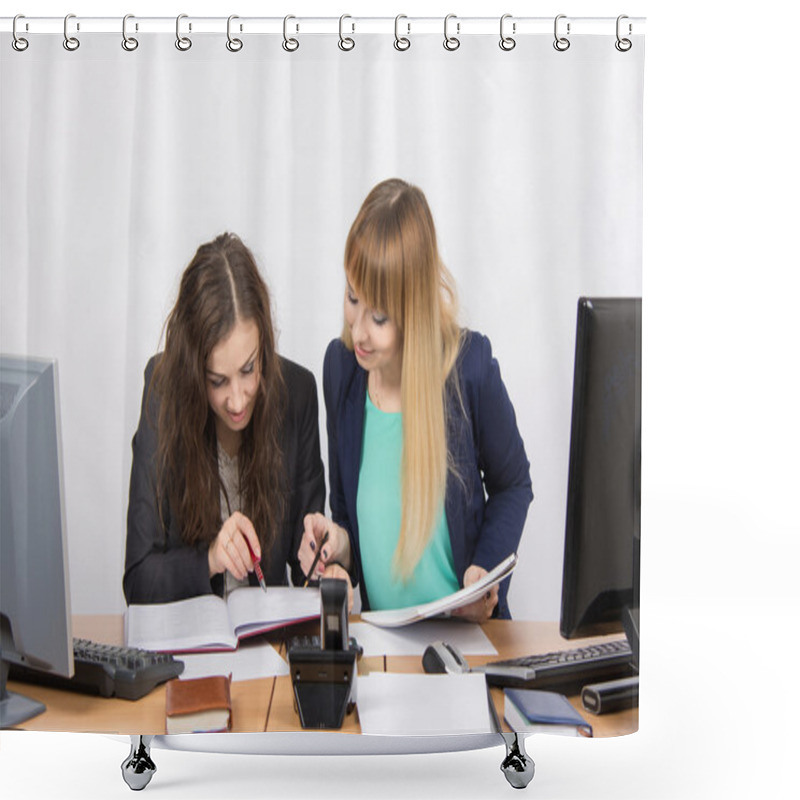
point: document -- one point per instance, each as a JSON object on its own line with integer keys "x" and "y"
{"x": 422, "y": 705}
{"x": 250, "y": 661}
{"x": 468, "y": 637}
{"x": 396, "y": 617}
{"x": 208, "y": 622}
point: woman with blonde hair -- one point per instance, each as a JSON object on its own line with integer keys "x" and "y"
{"x": 226, "y": 459}
{"x": 430, "y": 483}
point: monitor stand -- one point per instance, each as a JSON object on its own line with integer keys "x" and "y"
{"x": 15, "y": 708}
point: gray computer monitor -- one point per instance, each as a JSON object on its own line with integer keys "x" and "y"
{"x": 35, "y": 622}
{"x": 600, "y": 587}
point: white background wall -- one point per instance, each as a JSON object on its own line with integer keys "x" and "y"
{"x": 719, "y": 473}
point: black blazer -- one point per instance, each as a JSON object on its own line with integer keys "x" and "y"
{"x": 159, "y": 566}
{"x": 486, "y": 509}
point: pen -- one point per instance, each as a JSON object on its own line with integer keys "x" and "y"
{"x": 257, "y": 565}
{"x": 316, "y": 558}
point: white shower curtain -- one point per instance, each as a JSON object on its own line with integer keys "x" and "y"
{"x": 116, "y": 165}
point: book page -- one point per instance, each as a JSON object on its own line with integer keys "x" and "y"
{"x": 194, "y": 623}
{"x": 395, "y": 617}
{"x": 252, "y": 610}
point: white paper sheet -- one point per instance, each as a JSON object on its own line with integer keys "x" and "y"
{"x": 412, "y": 640}
{"x": 422, "y": 705}
{"x": 246, "y": 663}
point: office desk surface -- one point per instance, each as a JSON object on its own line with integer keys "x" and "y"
{"x": 267, "y": 704}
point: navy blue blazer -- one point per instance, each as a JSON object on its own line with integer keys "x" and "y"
{"x": 487, "y": 504}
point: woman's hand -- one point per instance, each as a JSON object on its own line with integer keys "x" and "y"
{"x": 336, "y": 548}
{"x": 481, "y": 609}
{"x": 229, "y": 549}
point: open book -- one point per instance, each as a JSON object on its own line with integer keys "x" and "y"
{"x": 396, "y": 617}
{"x": 208, "y": 622}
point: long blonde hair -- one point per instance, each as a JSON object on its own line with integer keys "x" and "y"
{"x": 393, "y": 264}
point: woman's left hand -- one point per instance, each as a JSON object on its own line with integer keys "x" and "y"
{"x": 481, "y": 609}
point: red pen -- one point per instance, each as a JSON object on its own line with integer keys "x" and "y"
{"x": 257, "y": 565}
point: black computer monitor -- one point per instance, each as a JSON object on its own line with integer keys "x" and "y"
{"x": 35, "y": 622}
{"x": 600, "y": 588}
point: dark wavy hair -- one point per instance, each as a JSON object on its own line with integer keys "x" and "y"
{"x": 220, "y": 286}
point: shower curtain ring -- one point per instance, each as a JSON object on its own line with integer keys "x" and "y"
{"x": 234, "y": 45}
{"x": 561, "y": 43}
{"x": 129, "y": 43}
{"x": 346, "y": 43}
{"x": 401, "y": 42}
{"x": 183, "y": 43}
{"x": 18, "y": 42}
{"x": 507, "y": 42}
{"x": 451, "y": 42}
{"x": 623, "y": 45}
{"x": 289, "y": 45}
{"x": 70, "y": 42}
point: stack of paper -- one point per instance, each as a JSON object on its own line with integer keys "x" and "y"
{"x": 423, "y": 705}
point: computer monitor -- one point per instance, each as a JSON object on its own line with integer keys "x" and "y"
{"x": 600, "y": 588}
{"x": 35, "y": 622}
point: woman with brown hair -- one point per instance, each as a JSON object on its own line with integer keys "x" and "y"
{"x": 430, "y": 483}
{"x": 226, "y": 456}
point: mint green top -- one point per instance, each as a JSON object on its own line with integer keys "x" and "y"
{"x": 378, "y": 505}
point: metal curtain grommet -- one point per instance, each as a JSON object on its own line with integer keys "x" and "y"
{"x": 346, "y": 43}
{"x": 183, "y": 43}
{"x": 623, "y": 45}
{"x": 289, "y": 44}
{"x": 451, "y": 42}
{"x": 507, "y": 42}
{"x": 401, "y": 42}
{"x": 561, "y": 43}
{"x": 18, "y": 42}
{"x": 129, "y": 43}
{"x": 70, "y": 42}
{"x": 234, "y": 45}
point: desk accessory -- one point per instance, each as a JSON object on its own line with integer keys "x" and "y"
{"x": 444, "y": 657}
{"x": 602, "y": 698}
{"x": 257, "y": 567}
{"x": 535, "y": 711}
{"x": 316, "y": 559}
{"x": 107, "y": 670}
{"x": 565, "y": 670}
{"x": 323, "y": 676}
{"x": 199, "y": 705}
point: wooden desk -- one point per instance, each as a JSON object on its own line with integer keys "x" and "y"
{"x": 268, "y": 704}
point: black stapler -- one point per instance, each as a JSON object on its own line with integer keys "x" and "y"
{"x": 323, "y": 672}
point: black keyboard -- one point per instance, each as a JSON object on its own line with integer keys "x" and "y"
{"x": 565, "y": 670}
{"x": 107, "y": 670}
